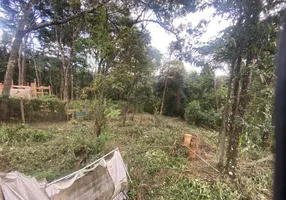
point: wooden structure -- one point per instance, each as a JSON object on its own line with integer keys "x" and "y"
{"x": 31, "y": 88}
{"x": 41, "y": 90}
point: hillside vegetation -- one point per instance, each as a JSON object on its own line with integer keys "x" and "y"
{"x": 108, "y": 85}
{"x": 152, "y": 149}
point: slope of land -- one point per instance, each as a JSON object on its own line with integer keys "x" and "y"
{"x": 152, "y": 148}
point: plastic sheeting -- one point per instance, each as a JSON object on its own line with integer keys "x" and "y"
{"x": 17, "y": 186}
{"x": 105, "y": 179}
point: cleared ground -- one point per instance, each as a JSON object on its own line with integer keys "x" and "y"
{"x": 151, "y": 147}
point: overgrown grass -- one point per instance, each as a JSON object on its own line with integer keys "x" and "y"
{"x": 151, "y": 147}
{"x": 160, "y": 170}
{"x": 48, "y": 152}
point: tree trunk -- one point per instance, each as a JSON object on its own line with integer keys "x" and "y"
{"x": 239, "y": 111}
{"x": 66, "y": 84}
{"x": 66, "y": 65}
{"x": 20, "y": 65}
{"x": 178, "y": 101}
{"x": 51, "y": 83}
{"x": 241, "y": 108}
{"x": 164, "y": 94}
{"x": 22, "y": 29}
{"x": 233, "y": 139}
{"x": 215, "y": 91}
{"x": 135, "y": 104}
{"x": 129, "y": 99}
{"x": 23, "y": 75}
{"x": 20, "y": 33}
{"x": 222, "y": 138}
{"x": 69, "y": 66}
{"x": 127, "y": 107}
{"x": 36, "y": 72}
{"x": 64, "y": 70}
{"x": 62, "y": 83}
{"x": 11, "y": 63}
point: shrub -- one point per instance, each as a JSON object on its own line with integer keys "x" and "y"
{"x": 47, "y": 109}
{"x": 196, "y": 116}
{"x": 50, "y": 152}
{"x": 11, "y": 135}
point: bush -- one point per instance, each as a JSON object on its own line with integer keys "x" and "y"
{"x": 196, "y": 116}
{"x": 50, "y": 152}
{"x": 11, "y": 135}
{"x": 45, "y": 109}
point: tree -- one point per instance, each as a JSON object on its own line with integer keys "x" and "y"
{"x": 24, "y": 19}
{"x": 247, "y": 35}
{"x": 171, "y": 80}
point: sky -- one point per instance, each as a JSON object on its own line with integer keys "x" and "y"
{"x": 161, "y": 38}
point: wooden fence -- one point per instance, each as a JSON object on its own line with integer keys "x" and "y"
{"x": 35, "y": 90}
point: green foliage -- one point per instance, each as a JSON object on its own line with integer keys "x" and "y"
{"x": 112, "y": 113}
{"x": 164, "y": 171}
{"x": 13, "y": 135}
{"x": 101, "y": 113}
{"x": 53, "y": 104}
{"x": 186, "y": 188}
{"x": 48, "y": 109}
{"x": 157, "y": 160}
{"x": 222, "y": 191}
{"x": 172, "y": 80}
{"x": 49, "y": 152}
{"x": 196, "y": 116}
{"x": 99, "y": 116}
{"x": 190, "y": 189}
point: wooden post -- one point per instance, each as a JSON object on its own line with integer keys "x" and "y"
{"x": 50, "y": 90}
{"x": 34, "y": 89}
{"x": 22, "y": 110}
{"x": 42, "y": 91}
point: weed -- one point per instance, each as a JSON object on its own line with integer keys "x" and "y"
{"x": 50, "y": 152}
{"x": 11, "y": 135}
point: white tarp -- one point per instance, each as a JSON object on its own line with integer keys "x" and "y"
{"x": 105, "y": 179}
{"x": 17, "y": 186}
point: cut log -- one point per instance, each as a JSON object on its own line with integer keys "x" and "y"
{"x": 187, "y": 140}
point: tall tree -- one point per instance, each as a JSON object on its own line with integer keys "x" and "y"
{"x": 247, "y": 36}
{"x": 22, "y": 16}
{"x": 171, "y": 81}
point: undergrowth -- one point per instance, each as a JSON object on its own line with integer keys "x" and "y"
{"x": 151, "y": 147}
{"x": 49, "y": 152}
{"x": 160, "y": 170}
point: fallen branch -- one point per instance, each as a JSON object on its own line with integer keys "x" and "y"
{"x": 268, "y": 158}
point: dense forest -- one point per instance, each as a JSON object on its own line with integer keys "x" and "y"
{"x": 99, "y": 55}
